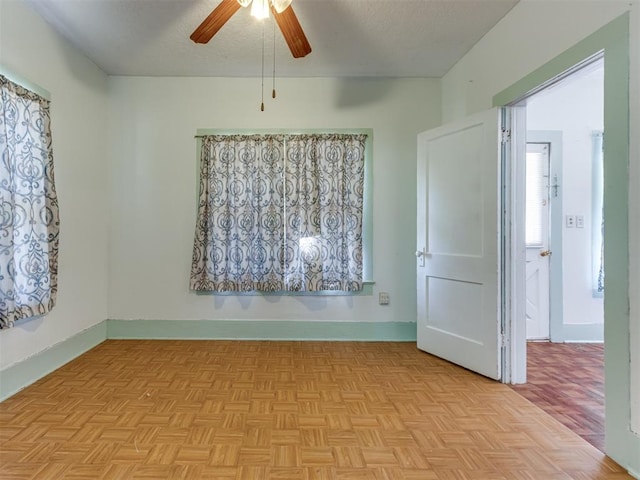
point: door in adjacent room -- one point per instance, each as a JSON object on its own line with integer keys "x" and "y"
{"x": 538, "y": 254}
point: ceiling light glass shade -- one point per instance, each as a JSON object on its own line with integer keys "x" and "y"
{"x": 260, "y": 9}
{"x": 280, "y": 5}
{"x": 244, "y": 3}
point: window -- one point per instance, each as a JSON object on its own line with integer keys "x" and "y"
{"x": 537, "y": 194}
{"x": 280, "y": 212}
{"x": 29, "y": 221}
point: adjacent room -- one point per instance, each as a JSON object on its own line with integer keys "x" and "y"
{"x": 234, "y": 241}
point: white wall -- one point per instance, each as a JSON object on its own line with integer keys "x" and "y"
{"x": 154, "y": 184}
{"x": 79, "y": 99}
{"x": 533, "y": 33}
{"x": 575, "y": 108}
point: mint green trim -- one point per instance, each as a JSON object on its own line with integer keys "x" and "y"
{"x": 291, "y": 131}
{"x": 367, "y": 220}
{"x": 613, "y": 40}
{"x": 16, "y": 78}
{"x": 21, "y": 375}
{"x": 261, "y": 330}
{"x": 587, "y": 333}
{"x": 620, "y": 444}
{"x": 367, "y": 291}
{"x": 367, "y": 212}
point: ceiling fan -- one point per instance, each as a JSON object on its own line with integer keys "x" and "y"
{"x": 282, "y": 12}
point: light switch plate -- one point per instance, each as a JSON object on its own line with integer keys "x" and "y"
{"x": 579, "y": 221}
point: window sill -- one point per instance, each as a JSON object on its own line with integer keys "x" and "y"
{"x": 367, "y": 291}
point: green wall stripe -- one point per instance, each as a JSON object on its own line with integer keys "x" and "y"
{"x": 23, "y": 374}
{"x": 261, "y": 330}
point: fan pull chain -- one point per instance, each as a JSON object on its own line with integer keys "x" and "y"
{"x": 262, "y": 93}
{"x": 273, "y": 92}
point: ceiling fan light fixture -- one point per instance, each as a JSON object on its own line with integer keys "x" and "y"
{"x": 260, "y": 9}
{"x": 280, "y": 5}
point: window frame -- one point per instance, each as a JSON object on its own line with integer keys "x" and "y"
{"x": 367, "y": 215}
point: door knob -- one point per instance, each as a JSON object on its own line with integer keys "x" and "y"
{"x": 545, "y": 253}
{"x": 422, "y": 254}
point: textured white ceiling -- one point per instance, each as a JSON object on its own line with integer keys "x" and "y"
{"x": 394, "y": 38}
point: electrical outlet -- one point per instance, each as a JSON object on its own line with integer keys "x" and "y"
{"x": 383, "y": 298}
{"x": 579, "y": 221}
{"x": 570, "y": 221}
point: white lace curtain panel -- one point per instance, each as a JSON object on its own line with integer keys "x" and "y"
{"x": 280, "y": 213}
{"x": 29, "y": 220}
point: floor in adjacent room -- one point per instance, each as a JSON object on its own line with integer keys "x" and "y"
{"x": 566, "y": 380}
{"x": 132, "y": 409}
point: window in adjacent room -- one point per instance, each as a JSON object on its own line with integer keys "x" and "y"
{"x": 597, "y": 244}
{"x": 537, "y": 194}
{"x": 29, "y": 221}
{"x": 281, "y": 213}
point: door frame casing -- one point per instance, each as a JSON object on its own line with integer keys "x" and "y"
{"x": 512, "y": 208}
{"x": 514, "y": 223}
{"x": 621, "y": 443}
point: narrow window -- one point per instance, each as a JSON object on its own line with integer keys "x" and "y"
{"x": 29, "y": 221}
{"x": 537, "y": 194}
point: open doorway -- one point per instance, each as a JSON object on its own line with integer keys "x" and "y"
{"x": 564, "y": 261}
{"x": 564, "y": 209}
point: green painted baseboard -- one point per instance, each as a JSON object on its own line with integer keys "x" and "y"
{"x": 262, "y": 330}
{"x": 23, "y": 374}
{"x": 589, "y": 332}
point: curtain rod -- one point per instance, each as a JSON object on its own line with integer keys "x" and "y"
{"x": 314, "y": 132}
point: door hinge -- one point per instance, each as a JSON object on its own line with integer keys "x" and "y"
{"x": 502, "y": 340}
{"x": 506, "y": 135}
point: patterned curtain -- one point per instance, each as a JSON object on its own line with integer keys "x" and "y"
{"x": 29, "y": 220}
{"x": 598, "y": 214}
{"x": 238, "y": 240}
{"x": 324, "y": 198}
{"x": 274, "y": 222}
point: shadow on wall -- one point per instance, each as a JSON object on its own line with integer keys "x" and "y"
{"x": 361, "y": 91}
{"x": 313, "y": 303}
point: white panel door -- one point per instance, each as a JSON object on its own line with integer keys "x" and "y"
{"x": 537, "y": 241}
{"x": 458, "y": 232}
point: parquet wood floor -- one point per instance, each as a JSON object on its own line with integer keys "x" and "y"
{"x": 566, "y": 380}
{"x": 281, "y": 410}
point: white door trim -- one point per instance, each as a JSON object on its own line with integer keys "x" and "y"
{"x": 513, "y": 248}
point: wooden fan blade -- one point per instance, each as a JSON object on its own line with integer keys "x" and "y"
{"x": 292, "y": 32}
{"x": 214, "y": 22}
